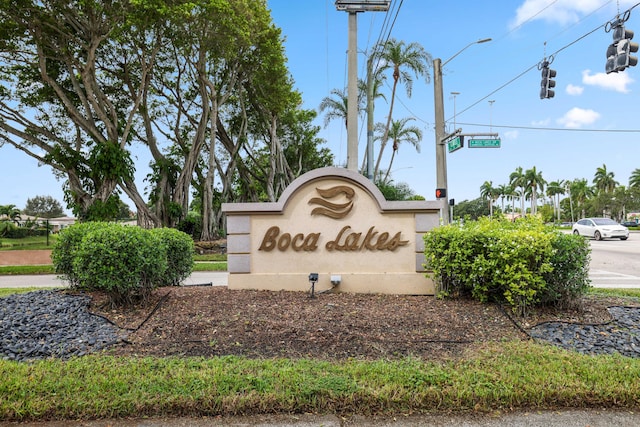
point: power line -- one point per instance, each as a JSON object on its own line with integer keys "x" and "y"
{"x": 552, "y": 129}
{"x": 536, "y": 65}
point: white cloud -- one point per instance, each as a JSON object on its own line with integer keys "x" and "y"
{"x": 562, "y": 11}
{"x": 574, "y": 90}
{"x": 615, "y": 81}
{"x": 541, "y": 123}
{"x": 578, "y": 117}
{"x": 512, "y": 134}
{"x": 559, "y": 11}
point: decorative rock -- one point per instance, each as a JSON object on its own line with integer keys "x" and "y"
{"x": 47, "y": 323}
{"x": 621, "y": 335}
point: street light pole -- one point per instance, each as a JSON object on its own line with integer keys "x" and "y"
{"x": 441, "y": 154}
{"x": 352, "y": 95}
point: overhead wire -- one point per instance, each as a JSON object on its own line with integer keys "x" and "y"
{"x": 535, "y": 66}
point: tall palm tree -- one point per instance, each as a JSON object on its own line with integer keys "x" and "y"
{"x": 516, "y": 180}
{"x": 487, "y": 191}
{"x": 502, "y": 191}
{"x": 377, "y": 80}
{"x": 634, "y": 179}
{"x": 405, "y": 61}
{"x": 399, "y": 133}
{"x": 554, "y": 190}
{"x": 336, "y": 106}
{"x": 604, "y": 181}
{"x": 581, "y": 192}
{"x": 534, "y": 182}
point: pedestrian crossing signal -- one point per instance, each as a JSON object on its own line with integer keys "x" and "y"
{"x": 441, "y": 193}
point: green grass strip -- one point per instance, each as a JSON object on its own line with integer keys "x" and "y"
{"x": 505, "y": 375}
{"x": 26, "y": 269}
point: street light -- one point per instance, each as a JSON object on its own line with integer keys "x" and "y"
{"x": 441, "y": 159}
{"x": 353, "y": 7}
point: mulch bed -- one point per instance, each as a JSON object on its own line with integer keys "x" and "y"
{"x": 216, "y": 321}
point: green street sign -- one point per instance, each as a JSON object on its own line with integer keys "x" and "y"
{"x": 484, "y": 143}
{"x": 454, "y": 144}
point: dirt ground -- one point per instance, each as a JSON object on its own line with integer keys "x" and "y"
{"x": 215, "y": 321}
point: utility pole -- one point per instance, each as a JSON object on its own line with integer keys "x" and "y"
{"x": 353, "y": 7}
{"x": 441, "y": 153}
{"x": 352, "y": 94}
{"x": 370, "y": 117}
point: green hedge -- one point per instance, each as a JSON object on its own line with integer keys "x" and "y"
{"x": 179, "y": 250}
{"x": 521, "y": 263}
{"x": 126, "y": 262}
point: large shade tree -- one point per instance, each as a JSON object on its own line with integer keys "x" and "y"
{"x": 202, "y": 85}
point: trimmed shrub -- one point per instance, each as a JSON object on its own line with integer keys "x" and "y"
{"x": 179, "y": 249}
{"x": 522, "y": 264}
{"x": 125, "y": 262}
{"x": 66, "y": 247}
{"x": 570, "y": 276}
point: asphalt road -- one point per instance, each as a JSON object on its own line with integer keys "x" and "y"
{"x": 615, "y": 263}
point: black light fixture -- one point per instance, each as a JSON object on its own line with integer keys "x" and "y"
{"x": 313, "y": 279}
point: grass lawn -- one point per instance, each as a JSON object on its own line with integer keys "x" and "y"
{"x": 502, "y": 376}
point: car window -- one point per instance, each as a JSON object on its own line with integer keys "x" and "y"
{"x": 604, "y": 221}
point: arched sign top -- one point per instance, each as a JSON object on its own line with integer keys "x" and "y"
{"x": 323, "y": 174}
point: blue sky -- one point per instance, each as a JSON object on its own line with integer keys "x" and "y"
{"x": 565, "y": 137}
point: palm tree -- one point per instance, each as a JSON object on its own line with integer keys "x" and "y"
{"x": 337, "y": 106}
{"x": 581, "y": 192}
{"x": 604, "y": 181}
{"x": 487, "y": 191}
{"x": 534, "y": 182}
{"x": 634, "y": 180}
{"x": 377, "y": 80}
{"x": 516, "y": 180}
{"x": 399, "y": 133}
{"x": 10, "y": 213}
{"x": 503, "y": 191}
{"x": 554, "y": 190}
{"x": 405, "y": 60}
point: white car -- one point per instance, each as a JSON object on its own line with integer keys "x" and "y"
{"x": 600, "y": 228}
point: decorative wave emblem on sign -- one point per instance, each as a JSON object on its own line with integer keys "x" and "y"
{"x": 331, "y": 209}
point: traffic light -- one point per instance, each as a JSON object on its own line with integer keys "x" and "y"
{"x": 547, "y": 83}
{"x": 619, "y": 52}
{"x": 441, "y": 193}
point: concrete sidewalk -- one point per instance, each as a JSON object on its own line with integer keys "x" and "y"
{"x": 560, "y": 418}
{"x": 204, "y": 278}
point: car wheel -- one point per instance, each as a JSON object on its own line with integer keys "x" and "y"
{"x": 623, "y": 238}
{"x": 576, "y": 232}
{"x": 597, "y": 235}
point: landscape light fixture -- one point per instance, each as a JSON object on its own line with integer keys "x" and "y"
{"x": 313, "y": 279}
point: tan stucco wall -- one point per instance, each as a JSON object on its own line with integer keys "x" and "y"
{"x": 365, "y": 270}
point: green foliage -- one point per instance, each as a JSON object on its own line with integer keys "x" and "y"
{"x": 520, "y": 263}
{"x": 43, "y": 207}
{"x": 125, "y": 262}
{"x": 393, "y": 191}
{"x": 472, "y": 209}
{"x": 570, "y": 276}
{"x": 66, "y": 248}
{"x": 192, "y": 224}
{"x": 179, "y": 250}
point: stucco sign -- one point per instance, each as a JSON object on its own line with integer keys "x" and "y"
{"x": 336, "y": 223}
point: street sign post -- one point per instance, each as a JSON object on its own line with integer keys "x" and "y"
{"x": 484, "y": 143}
{"x": 455, "y": 144}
